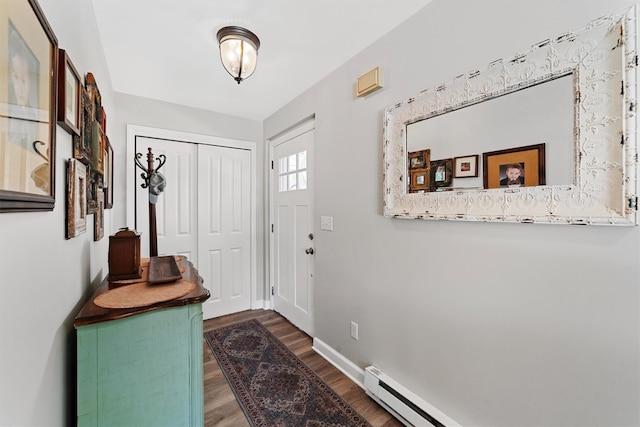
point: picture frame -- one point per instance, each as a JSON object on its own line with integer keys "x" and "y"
{"x": 81, "y": 144}
{"x": 527, "y": 164}
{"x": 90, "y": 145}
{"x": 76, "y": 198}
{"x": 69, "y": 94}
{"x": 441, "y": 173}
{"x": 419, "y": 159}
{"x": 103, "y": 120}
{"x": 98, "y": 220}
{"x": 94, "y": 133}
{"x": 27, "y": 109}
{"x": 94, "y": 187}
{"x": 419, "y": 180}
{"x": 108, "y": 176}
{"x": 466, "y": 166}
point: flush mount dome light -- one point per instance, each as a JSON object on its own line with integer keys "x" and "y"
{"x": 238, "y": 51}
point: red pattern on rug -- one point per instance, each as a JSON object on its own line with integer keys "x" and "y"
{"x": 273, "y": 386}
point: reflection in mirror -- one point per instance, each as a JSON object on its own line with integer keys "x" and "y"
{"x": 543, "y": 113}
{"x": 578, "y": 87}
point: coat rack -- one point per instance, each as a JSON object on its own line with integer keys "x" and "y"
{"x": 156, "y": 183}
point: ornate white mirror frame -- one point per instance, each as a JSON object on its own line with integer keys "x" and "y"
{"x": 603, "y": 58}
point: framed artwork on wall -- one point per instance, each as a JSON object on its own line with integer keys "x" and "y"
{"x": 76, "y": 198}
{"x": 90, "y": 147}
{"x": 94, "y": 186}
{"x": 81, "y": 147}
{"x": 514, "y": 167}
{"x": 27, "y": 108}
{"x": 69, "y": 94}
{"x": 98, "y": 220}
{"x": 94, "y": 133}
{"x": 108, "y": 176}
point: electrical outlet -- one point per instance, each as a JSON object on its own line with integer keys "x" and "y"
{"x": 354, "y": 330}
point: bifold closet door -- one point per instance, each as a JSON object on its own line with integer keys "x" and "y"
{"x": 224, "y": 228}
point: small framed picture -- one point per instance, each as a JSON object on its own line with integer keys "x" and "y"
{"x": 76, "y": 198}
{"x": 69, "y": 94}
{"x": 514, "y": 167}
{"x": 466, "y": 166}
{"x": 419, "y": 159}
{"x": 419, "y": 180}
{"x": 98, "y": 219}
{"x": 108, "y": 175}
{"x": 441, "y": 172}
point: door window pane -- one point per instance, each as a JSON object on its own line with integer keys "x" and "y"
{"x": 302, "y": 180}
{"x": 302, "y": 160}
{"x": 292, "y": 182}
{"x": 292, "y": 172}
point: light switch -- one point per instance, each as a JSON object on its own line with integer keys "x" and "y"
{"x": 326, "y": 223}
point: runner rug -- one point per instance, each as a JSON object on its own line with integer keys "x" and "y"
{"x": 274, "y": 387}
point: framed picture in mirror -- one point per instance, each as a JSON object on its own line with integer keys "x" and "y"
{"x": 419, "y": 180}
{"x": 465, "y": 166}
{"x": 419, "y": 159}
{"x": 441, "y": 172}
{"x": 514, "y": 167}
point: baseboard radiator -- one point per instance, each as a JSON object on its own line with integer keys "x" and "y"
{"x": 402, "y": 403}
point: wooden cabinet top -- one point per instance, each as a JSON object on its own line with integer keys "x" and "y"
{"x": 92, "y": 313}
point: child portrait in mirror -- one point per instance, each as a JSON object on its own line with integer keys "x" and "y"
{"x": 513, "y": 175}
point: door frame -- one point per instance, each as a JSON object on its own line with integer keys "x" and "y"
{"x": 304, "y": 126}
{"x": 134, "y": 131}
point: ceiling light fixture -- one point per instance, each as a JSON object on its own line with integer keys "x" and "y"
{"x": 238, "y": 51}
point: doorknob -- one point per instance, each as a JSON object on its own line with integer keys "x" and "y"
{"x": 309, "y": 251}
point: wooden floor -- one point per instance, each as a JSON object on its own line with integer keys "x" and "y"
{"x": 220, "y": 406}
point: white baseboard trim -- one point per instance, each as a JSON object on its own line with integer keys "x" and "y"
{"x": 261, "y": 304}
{"x": 346, "y": 366}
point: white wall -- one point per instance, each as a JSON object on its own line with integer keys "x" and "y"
{"x": 493, "y": 324}
{"x": 46, "y": 279}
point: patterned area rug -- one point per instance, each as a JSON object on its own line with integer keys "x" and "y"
{"x": 273, "y": 386}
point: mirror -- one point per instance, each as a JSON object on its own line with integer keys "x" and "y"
{"x": 499, "y": 124}
{"x": 564, "y": 111}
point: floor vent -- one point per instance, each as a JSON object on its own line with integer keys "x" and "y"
{"x": 401, "y": 402}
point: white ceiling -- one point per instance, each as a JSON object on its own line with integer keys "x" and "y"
{"x": 167, "y": 49}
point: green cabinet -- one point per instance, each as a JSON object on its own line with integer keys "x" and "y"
{"x": 143, "y": 367}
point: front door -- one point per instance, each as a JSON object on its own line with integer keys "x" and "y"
{"x": 292, "y": 247}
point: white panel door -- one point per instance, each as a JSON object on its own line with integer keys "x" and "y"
{"x": 292, "y": 218}
{"x": 224, "y": 224}
{"x": 176, "y": 209}
{"x": 204, "y": 214}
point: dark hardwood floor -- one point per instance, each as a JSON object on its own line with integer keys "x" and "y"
{"x": 220, "y": 406}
